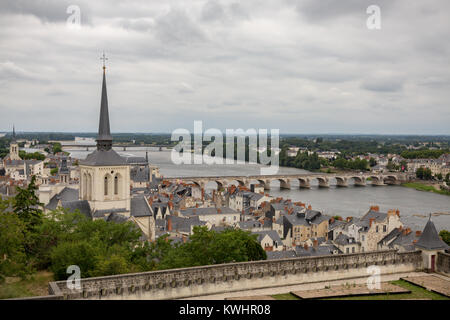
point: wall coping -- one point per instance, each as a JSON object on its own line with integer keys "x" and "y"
{"x": 233, "y": 264}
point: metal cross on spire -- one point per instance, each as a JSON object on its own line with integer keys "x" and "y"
{"x": 104, "y": 58}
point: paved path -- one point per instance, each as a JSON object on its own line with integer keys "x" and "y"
{"x": 349, "y": 290}
{"x": 431, "y": 282}
{"x": 301, "y": 287}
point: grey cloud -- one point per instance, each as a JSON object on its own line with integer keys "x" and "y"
{"x": 45, "y": 10}
{"x": 178, "y": 28}
{"x": 382, "y": 84}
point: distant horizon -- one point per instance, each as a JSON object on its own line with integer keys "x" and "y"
{"x": 281, "y": 134}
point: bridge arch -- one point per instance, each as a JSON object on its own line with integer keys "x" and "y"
{"x": 358, "y": 180}
{"x": 341, "y": 181}
{"x": 390, "y": 179}
{"x": 324, "y": 182}
{"x": 376, "y": 180}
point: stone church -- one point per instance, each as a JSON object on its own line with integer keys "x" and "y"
{"x": 105, "y": 187}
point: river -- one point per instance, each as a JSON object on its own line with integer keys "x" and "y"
{"x": 353, "y": 201}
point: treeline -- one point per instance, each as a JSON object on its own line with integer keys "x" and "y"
{"x": 28, "y": 156}
{"x": 31, "y": 241}
{"x": 302, "y": 160}
{"x": 424, "y": 153}
{"x": 357, "y": 164}
{"x": 346, "y": 147}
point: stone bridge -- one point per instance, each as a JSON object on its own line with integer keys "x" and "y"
{"x": 324, "y": 180}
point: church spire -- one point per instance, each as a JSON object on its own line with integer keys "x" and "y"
{"x": 104, "y": 138}
{"x": 14, "y": 133}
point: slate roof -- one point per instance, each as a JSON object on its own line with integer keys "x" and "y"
{"x": 322, "y": 250}
{"x": 271, "y": 233}
{"x": 66, "y": 194}
{"x": 105, "y": 213}
{"x": 135, "y": 160}
{"x": 429, "y": 239}
{"x": 247, "y": 225}
{"x": 104, "y": 157}
{"x": 184, "y": 224}
{"x": 272, "y": 255}
{"x": 139, "y": 207}
{"x": 343, "y": 240}
{"x": 206, "y": 211}
{"x": 116, "y": 217}
{"x": 81, "y": 205}
{"x": 140, "y": 174}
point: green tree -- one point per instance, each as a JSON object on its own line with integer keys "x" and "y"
{"x": 209, "y": 247}
{"x": 420, "y": 173}
{"x": 27, "y": 206}
{"x": 372, "y": 162}
{"x": 445, "y": 235}
{"x": 12, "y": 251}
{"x": 439, "y": 176}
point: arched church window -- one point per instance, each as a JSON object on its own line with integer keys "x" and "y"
{"x": 106, "y": 186}
{"x": 116, "y": 185}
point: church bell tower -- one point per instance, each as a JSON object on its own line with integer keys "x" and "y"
{"x": 104, "y": 174}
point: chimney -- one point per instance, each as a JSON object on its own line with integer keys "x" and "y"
{"x": 214, "y": 195}
{"x": 371, "y": 221}
{"x": 219, "y": 210}
{"x": 332, "y": 220}
{"x": 408, "y": 231}
{"x": 305, "y": 246}
{"x": 203, "y": 194}
{"x": 397, "y": 212}
{"x": 169, "y": 223}
{"x": 309, "y": 207}
{"x": 418, "y": 233}
{"x": 375, "y": 208}
{"x": 171, "y": 196}
{"x": 196, "y": 205}
{"x": 348, "y": 219}
{"x": 315, "y": 243}
{"x": 170, "y": 203}
{"x": 184, "y": 238}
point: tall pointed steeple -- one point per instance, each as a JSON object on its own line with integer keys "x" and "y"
{"x": 14, "y": 134}
{"x": 104, "y": 138}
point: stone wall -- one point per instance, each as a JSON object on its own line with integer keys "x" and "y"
{"x": 204, "y": 280}
{"x": 443, "y": 262}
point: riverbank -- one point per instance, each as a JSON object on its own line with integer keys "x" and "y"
{"x": 425, "y": 187}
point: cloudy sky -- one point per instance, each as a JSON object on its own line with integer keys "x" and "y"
{"x": 300, "y": 66}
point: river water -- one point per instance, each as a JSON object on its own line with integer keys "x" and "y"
{"x": 414, "y": 205}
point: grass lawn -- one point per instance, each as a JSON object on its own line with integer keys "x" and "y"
{"x": 423, "y": 187}
{"x": 416, "y": 293}
{"x": 36, "y": 285}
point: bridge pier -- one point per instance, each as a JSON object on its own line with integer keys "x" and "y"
{"x": 285, "y": 184}
{"x": 377, "y": 181}
{"x": 341, "y": 182}
{"x": 304, "y": 183}
{"x": 323, "y": 182}
{"x": 359, "y": 181}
